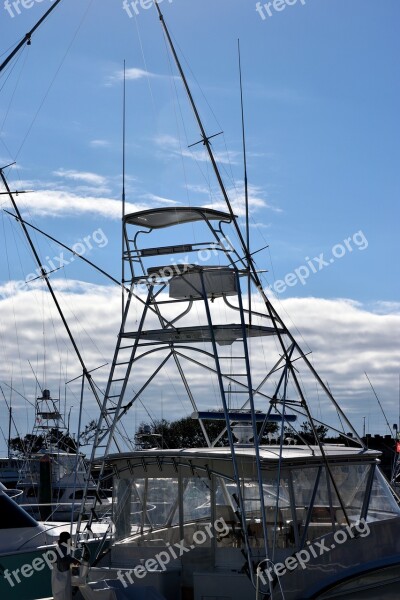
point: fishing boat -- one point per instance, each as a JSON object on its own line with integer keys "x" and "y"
{"x": 282, "y": 520}
{"x": 52, "y": 480}
{"x": 283, "y": 516}
{"x": 245, "y": 516}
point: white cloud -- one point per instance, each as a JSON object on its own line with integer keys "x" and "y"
{"x": 346, "y": 340}
{"x": 237, "y": 195}
{"x": 91, "y": 178}
{"x": 61, "y": 203}
{"x": 259, "y": 225}
{"x": 160, "y": 199}
{"x": 99, "y": 143}
{"x": 133, "y": 74}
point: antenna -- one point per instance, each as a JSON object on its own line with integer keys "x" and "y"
{"x": 246, "y": 188}
{"x": 123, "y": 188}
{"x": 9, "y": 425}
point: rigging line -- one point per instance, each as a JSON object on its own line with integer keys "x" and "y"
{"x": 27, "y": 38}
{"x": 34, "y": 374}
{"x": 51, "y": 290}
{"x": 11, "y": 68}
{"x": 55, "y": 75}
{"x": 279, "y": 301}
{"x": 230, "y": 175}
{"x": 380, "y": 405}
{"x": 173, "y": 85}
{"x": 12, "y": 388}
{"x": 7, "y": 74}
{"x": 89, "y": 262}
{"x": 145, "y": 67}
{"x": 17, "y": 337}
{"x": 19, "y": 218}
{"x": 193, "y": 154}
{"x": 196, "y": 81}
{"x": 7, "y": 50}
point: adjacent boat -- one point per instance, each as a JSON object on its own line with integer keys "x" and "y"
{"x": 53, "y": 479}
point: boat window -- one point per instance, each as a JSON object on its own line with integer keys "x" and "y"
{"x": 196, "y": 499}
{"x": 382, "y": 504}
{"x": 143, "y": 504}
{"x": 226, "y": 494}
{"x": 351, "y": 481}
{"x": 318, "y": 507}
{"x": 160, "y": 498}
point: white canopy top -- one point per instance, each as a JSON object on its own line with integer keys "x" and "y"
{"x": 157, "y": 218}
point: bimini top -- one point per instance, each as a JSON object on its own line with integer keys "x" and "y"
{"x": 156, "y": 218}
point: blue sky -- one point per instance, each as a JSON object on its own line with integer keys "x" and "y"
{"x": 322, "y": 91}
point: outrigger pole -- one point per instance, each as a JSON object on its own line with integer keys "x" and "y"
{"x": 273, "y": 315}
{"x": 275, "y": 318}
{"x": 246, "y": 187}
{"x": 27, "y": 37}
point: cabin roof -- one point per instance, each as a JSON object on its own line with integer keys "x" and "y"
{"x": 268, "y": 454}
